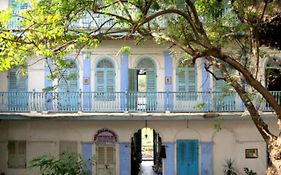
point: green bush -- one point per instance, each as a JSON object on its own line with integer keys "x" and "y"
{"x": 66, "y": 164}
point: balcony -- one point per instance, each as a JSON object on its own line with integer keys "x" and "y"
{"x": 95, "y": 102}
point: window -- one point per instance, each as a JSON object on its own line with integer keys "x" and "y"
{"x": 16, "y": 154}
{"x": 105, "y": 80}
{"x": 17, "y": 87}
{"x": 69, "y": 147}
{"x": 17, "y": 81}
{"x": 69, "y": 80}
{"x": 186, "y": 81}
{"x": 223, "y": 96}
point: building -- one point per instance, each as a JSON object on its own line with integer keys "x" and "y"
{"x": 100, "y": 111}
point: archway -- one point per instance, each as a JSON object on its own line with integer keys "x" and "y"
{"x": 105, "y": 141}
{"x": 146, "y": 152}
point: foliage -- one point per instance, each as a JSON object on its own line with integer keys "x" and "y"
{"x": 229, "y": 167}
{"x": 66, "y": 164}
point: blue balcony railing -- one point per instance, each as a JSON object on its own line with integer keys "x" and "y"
{"x": 125, "y": 101}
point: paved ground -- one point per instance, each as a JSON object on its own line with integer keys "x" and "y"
{"x": 146, "y": 168}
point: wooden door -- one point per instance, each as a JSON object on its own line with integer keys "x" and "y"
{"x": 106, "y": 160}
{"x": 187, "y": 157}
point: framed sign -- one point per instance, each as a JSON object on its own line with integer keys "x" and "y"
{"x": 251, "y": 153}
{"x": 86, "y": 80}
{"x": 168, "y": 80}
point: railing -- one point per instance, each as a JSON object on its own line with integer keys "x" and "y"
{"x": 125, "y": 101}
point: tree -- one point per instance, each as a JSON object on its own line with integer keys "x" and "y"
{"x": 201, "y": 28}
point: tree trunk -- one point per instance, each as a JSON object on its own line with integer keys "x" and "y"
{"x": 274, "y": 153}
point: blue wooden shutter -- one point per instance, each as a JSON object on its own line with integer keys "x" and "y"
{"x": 224, "y": 100}
{"x": 151, "y": 81}
{"x": 68, "y": 88}
{"x": 181, "y": 80}
{"x": 186, "y": 83}
{"x": 12, "y": 81}
{"x": 17, "y": 82}
{"x": 105, "y": 80}
{"x": 100, "y": 80}
{"x": 192, "y": 79}
{"x": 70, "y": 83}
{"x": 17, "y": 85}
{"x": 110, "y": 77}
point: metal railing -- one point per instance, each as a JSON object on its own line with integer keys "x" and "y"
{"x": 125, "y": 101}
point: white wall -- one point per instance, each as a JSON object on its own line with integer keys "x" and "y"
{"x": 43, "y": 136}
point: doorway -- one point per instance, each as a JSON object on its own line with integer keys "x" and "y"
{"x": 146, "y": 153}
{"x": 105, "y": 140}
{"x": 142, "y": 86}
{"x": 187, "y": 157}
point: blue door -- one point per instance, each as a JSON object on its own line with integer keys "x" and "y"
{"x": 187, "y": 157}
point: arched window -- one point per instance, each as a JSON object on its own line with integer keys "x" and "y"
{"x": 68, "y": 82}
{"x": 17, "y": 81}
{"x": 186, "y": 82}
{"x": 105, "y": 76}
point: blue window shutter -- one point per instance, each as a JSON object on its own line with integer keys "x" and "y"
{"x": 186, "y": 80}
{"x": 181, "y": 80}
{"x": 70, "y": 83}
{"x": 18, "y": 100}
{"x": 192, "y": 79}
{"x": 151, "y": 81}
{"x": 17, "y": 83}
{"x": 12, "y": 81}
{"x": 110, "y": 77}
{"x": 100, "y": 82}
{"x": 105, "y": 76}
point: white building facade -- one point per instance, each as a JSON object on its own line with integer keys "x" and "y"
{"x": 99, "y": 111}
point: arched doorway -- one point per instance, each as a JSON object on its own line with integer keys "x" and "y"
{"x": 146, "y": 152}
{"x": 105, "y": 141}
{"x": 142, "y": 86}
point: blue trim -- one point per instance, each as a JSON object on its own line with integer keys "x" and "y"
{"x": 86, "y": 72}
{"x": 168, "y": 64}
{"x": 124, "y": 158}
{"x": 205, "y": 77}
{"x": 86, "y": 68}
{"x": 124, "y": 72}
{"x": 48, "y": 82}
{"x": 169, "y": 161}
{"x": 124, "y": 76}
{"x": 205, "y": 85}
{"x": 206, "y": 153}
{"x": 168, "y": 70}
{"x": 87, "y": 157}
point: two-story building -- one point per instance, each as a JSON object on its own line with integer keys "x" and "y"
{"x": 100, "y": 111}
